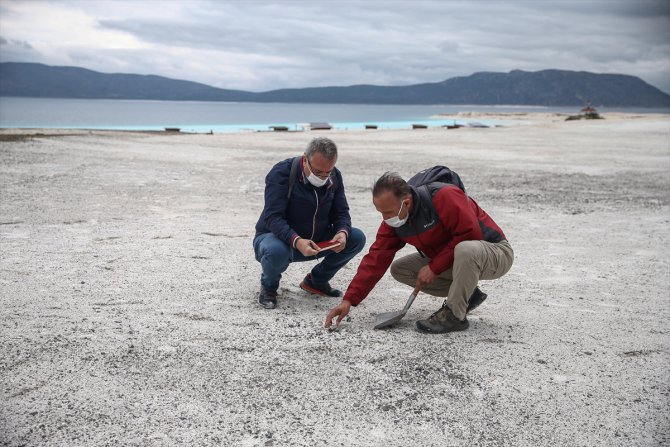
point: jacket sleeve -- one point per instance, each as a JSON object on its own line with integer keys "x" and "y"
{"x": 459, "y": 219}
{"x": 339, "y": 213}
{"x": 276, "y": 203}
{"x": 374, "y": 264}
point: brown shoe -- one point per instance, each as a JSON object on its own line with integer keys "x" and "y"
{"x": 441, "y": 322}
{"x": 324, "y": 289}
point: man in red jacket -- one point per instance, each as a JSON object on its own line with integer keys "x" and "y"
{"x": 458, "y": 244}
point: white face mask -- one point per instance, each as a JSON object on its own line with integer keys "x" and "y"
{"x": 316, "y": 181}
{"x": 313, "y": 179}
{"x": 396, "y": 221}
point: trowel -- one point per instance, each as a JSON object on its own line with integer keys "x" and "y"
{"x": 389, "y": 318}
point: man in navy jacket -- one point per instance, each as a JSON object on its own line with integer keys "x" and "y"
{"x": 299, "y": 212}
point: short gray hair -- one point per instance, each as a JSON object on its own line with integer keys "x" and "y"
{"x": 391, "y": 181}
{"x": 322, "y": 145}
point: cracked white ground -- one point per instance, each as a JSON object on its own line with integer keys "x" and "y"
{"x": 128, "y": 313}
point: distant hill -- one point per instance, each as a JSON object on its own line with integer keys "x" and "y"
{"x": 44, "y": 81}
{"x": 540, "y": 88}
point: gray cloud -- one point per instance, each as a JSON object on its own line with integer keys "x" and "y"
{"x": 19, "y": 43}
{"x": 22, "y": 44}
{"x": 263, "y": 45}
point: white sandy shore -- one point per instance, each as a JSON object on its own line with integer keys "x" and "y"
{"x": 538, "y": 117}
{"x": 128, "y": 313}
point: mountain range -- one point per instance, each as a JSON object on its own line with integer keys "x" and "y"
{"x": 539, "y": 88}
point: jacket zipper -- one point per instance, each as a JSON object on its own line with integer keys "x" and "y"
{"x": 314, "y": 218}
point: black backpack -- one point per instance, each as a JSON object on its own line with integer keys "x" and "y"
{"x": 436, "y": 174}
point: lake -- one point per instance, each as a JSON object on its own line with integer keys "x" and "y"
{"x": 196, "y": 116}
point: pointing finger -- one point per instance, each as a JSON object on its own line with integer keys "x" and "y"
{"x": 329, "y": 318}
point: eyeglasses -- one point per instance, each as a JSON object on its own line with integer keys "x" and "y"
{"x": 322, "y": 175}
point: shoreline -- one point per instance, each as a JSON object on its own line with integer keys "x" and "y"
{"x": 509, "y": 118}
{"x": 553, "y": 116}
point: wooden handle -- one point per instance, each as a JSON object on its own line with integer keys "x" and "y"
{"x": 415, "y": 292}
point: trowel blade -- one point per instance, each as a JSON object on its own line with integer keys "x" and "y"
{"x": 388, "y": 318}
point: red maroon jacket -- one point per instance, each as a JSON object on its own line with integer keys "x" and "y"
{"x": 435, "y": 231}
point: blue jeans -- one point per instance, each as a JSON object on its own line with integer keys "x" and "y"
{"x": 275, "y": 256}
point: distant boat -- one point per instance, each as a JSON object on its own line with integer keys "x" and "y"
{"x": 172, "y": 129}
{"x": 453, "y": 126}
{"x": 279, "y": 128}
{"x": 370, "y": 126}
{"x": 588, "y": 109}
{"x": 479, "y": 125}
{"x": 587, "y": 113}
{"x": 419, "y": 126}
{"x": 320, "y": 126}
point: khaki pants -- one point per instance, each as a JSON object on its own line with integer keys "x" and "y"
{"x": 473, "y": 260}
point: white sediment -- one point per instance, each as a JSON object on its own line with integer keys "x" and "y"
{"x": 128, "y": 282}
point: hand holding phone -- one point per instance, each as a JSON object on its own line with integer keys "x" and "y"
{"x": 327, "y": 245}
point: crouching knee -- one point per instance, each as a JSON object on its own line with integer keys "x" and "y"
{"x": 395, "y": 270}
{"x": 466, "y": 251}
{"x": 276, "y": 253}
{"x": 401, "y": 273}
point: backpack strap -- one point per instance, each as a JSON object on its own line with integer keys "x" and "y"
{"x": 293, "y": 175}
{"x": 426, "y": 197}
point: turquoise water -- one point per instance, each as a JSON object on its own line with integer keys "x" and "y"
{"x": 337, "y": 125}
{"x": 193, "y": 116}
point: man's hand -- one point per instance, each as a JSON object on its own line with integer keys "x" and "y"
{"x": 307, "y": 247}
{"x": 426, "y": 276}
{"x": 340, "y": 237}
{"x": 340, "y": 311}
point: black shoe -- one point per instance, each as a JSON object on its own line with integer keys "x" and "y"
{"x": 267, "y": 299}
{"x": 476, "y": 299}
{"x": 318, "y": 289}
{"x": 441, "y": 322}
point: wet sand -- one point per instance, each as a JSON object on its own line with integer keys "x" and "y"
{"x": 128, "y": 282}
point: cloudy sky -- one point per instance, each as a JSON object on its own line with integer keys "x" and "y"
{"x": 261, "y": 45}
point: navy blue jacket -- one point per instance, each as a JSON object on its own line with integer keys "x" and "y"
{"x": 311, "y": 213}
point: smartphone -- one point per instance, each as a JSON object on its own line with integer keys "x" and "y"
{"x": 327, "y": 245}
